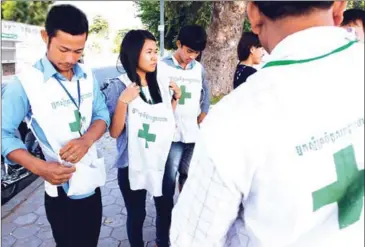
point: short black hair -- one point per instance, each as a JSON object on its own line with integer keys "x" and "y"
{"x": 66, "y": 18}
{"x": 281, "y": 9}
{"x": 352, "y": 15}
{"x": 130, "y": 50}
{"x": 247, "y": 41}
{"x": 193, "y": 36}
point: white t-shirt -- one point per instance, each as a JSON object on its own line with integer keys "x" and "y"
{"x": 280, "y": 161}
{"x": 147, "y": 94}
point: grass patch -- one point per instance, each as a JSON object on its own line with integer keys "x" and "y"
{"x": 215, "y": 99}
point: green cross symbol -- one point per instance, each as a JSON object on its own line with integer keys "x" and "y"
{"x": 347, "y": 191}
{"x": 143, "y": 133}
{"x": 184, "y": 95}
{"x": 76, "y": 126}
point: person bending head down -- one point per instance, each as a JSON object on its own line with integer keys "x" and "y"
{"x": 65, "y": 34}
{"x": 191, "y": 41}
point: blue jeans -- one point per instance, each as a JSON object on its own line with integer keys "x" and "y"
{"x": 178, "y": 161}
{"x": 135, "y": 202}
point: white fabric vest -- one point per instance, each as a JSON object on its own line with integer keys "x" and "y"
{"x": 56, "y": 115}
{"x": 150, "y": 132}
{"x": 188, "y": 107}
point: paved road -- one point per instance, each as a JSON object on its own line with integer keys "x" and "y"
{"x": 24, "y": 222}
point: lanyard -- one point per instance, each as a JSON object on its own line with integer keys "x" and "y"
{"x": 69, "y": 95}
{"x": 72, "y": 99}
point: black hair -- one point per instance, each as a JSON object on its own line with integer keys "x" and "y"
{"x": 247, "y": 41}
{"x": 130, "y": 50}
{"x": 352, "y": 15}
{"x": 193, "y": 36}
{"x": 281, "y": 9}
{"x": 66, "y": 18}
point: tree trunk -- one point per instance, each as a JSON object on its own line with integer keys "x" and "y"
{"x": 220, "y": 56}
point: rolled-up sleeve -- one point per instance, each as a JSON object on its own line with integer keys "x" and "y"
{"x": 15, "y": 107}
{"x": 205, "y": 98}
{"x": 100, "y": 110}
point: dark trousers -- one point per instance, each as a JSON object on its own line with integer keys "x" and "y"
{"x": 135, "y": 202}
{"x": 74, "y": 222}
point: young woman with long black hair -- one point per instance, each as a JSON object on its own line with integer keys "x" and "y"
{"x": 143, "y": 123}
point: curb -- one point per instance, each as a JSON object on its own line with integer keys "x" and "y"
{"x": 18, "y": 199}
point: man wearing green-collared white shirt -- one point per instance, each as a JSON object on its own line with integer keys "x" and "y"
{"x": 280, "y": 160}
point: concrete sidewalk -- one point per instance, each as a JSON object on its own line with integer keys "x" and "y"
{"x": 24, "y": 222}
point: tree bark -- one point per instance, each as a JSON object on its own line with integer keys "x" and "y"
{"x": 220, "y": 56}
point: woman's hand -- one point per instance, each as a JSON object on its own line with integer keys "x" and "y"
{"x": 130, "y": 93}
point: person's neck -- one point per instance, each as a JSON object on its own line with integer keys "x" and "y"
{"x": 142, "y": 76}
{"x": 179, "y": 60}
{"x": 247, "y": 62}
{"x": 280, "y": 29}
{"x": 67, "y": 74}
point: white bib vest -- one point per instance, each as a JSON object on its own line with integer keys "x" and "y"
{"x": 58, "y": 117}
{"x": 188, "y": 107}
{"x": 150, "y": 132}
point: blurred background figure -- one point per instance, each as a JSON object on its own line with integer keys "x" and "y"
{"x": 250, "y": 53}
{"x": 354, "y": 21}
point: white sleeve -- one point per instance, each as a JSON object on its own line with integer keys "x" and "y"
{"x": 220, "y": 175}
{"x": 206, "y": 208}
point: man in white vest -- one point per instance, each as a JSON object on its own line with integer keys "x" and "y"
{"x": 182, "y": 68}
{"x": 280, "y": 161}
{"x": 63, "y": 106}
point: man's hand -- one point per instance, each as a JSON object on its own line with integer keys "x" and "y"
{"x": 75, "y": 150}
{"x": 201, "y": 117}
{"x": 55, "y": 173}
{"x": 177, "y": 91}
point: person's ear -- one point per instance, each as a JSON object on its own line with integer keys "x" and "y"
{"x": 44, "y": 36}
{"x": 337, "y": 11}
{"x": 178, "y": 44}
{"x": 252, "y": 49}
{"x": 255, "y": 17}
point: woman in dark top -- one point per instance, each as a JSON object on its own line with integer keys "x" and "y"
{"x": 249, "y": 52}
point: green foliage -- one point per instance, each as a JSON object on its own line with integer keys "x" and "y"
{"x": 118, "y": 40}
{"x": 100, "y": 26}
{"x": 177, "y": 15}
{"x": 356, "y": 5}
{"x": 28, "y": 12}
{"x": 246, "y": 25}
